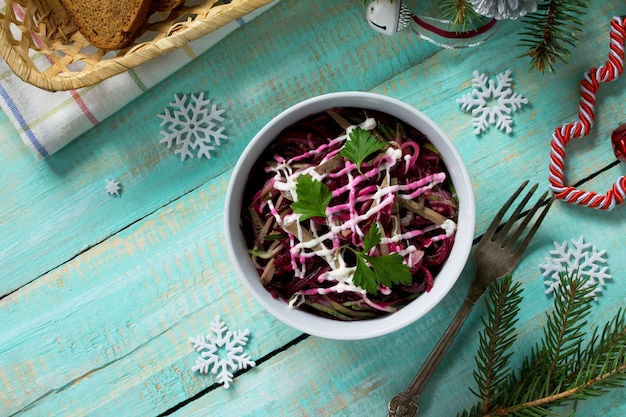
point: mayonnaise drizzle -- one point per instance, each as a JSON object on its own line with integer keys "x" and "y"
{"x": 325, "y": 245}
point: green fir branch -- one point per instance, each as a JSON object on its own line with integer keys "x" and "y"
{"x": 550, "y": 32}
{"x": 544, "y": 373}
{"x": 565, "y": 328}
{"x": 460, "y": 14}
{"x": 563, "y": 367}
{"x": 603, "y": 362}
{"x": 497, "y": 338}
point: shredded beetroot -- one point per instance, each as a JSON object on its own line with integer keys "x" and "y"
{"x": 404, "y": 189}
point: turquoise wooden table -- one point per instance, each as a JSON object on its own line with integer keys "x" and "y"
{"x": 99, "y": 295}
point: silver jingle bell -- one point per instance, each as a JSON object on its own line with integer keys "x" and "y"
{"x": 388, "y": 16}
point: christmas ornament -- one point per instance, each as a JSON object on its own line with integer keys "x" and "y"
{"x": 221, "y": 352}
{"x": 504, "y": 9}
{"x": 192, "y": 126}
{"x": 388, "y": 17}
{"x": 618, "y": 139}
{"x": 610, "y": 71}
{"x": 113, "y": 187}
{"x": 580, "y": 258}
{"x": 391, "y": 16}
{"x": 480, "y": 102}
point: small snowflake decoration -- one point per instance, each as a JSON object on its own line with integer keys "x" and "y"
{"x": 581, "y": 257}
{"x": 113, "y": 187}
{"x": 222, "y": 352}
{"x": 192, "y": 125}
{"x": 484, "y": 91}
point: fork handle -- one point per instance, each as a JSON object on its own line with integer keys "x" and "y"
{"x": 405, "y": 403}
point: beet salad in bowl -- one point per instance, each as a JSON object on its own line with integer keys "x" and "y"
{"x": 350, "y": 215}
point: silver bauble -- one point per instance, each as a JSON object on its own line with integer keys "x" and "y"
{"x": 504, "y": 9}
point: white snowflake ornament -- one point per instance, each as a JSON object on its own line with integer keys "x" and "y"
{"x": 486, "y": 91}
{"x": 113, "y": 187}
{"x": 222, "y": 352}
{"x": 192, "y": 126}
{"x": 581, "y": 257}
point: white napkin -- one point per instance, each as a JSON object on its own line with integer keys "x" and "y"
{"x": 47, "y": 121}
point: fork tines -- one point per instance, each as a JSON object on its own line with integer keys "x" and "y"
{"x": 495, "y": 231}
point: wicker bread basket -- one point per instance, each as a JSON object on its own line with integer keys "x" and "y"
{"x": 30, "y": 28}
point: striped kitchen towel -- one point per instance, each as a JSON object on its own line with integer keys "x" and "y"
{"x": 47, "y": 121}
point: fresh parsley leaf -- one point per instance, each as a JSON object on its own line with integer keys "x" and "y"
{"x": 360, "y": 145}
{"x": 372, "y": 271}
{"x": 385, "y": 270}
{"x": 313, "y": 198}
{"x": 372, "y": 238}
{"x": 389, "y": 269}
{"x": 364, "y": 277}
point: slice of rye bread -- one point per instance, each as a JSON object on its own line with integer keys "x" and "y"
{"x": 165, "y": 5}
{"x": 108, "y": 24}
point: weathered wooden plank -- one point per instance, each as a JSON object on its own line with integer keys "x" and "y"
{"x": 55, "y": 209}
{"x": 151, "y": 273}
{"x": 159, "y": 299}
{"x": 109, "y": 328}
{"x": 319, "y": 377}
{"x": 327, "y": 390}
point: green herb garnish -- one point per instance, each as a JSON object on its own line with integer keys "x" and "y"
{"x": 313, "y": 198}
{"x": 360, "y": 145}
{"x": 382, "y": 270}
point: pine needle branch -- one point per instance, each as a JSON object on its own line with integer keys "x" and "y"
{"x": 565, "y": 327}
{"x": 561, "y": 368}
{"x": 497, "y": 338}
{"x": 551, "y": 31}
{"x": 604, "y": 354}
{"x": 460, "y": 14}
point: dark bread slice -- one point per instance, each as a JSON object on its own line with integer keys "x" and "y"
{"x": 108, "y": 24}
{"x": 165, "y": 5}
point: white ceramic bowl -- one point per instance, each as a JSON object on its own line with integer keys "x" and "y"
{"x": 329, "y": 328}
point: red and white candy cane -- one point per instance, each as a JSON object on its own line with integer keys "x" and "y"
{"x": 562, "y": 135}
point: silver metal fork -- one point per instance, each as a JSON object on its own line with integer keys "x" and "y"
{"x": 496, "y": 255}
